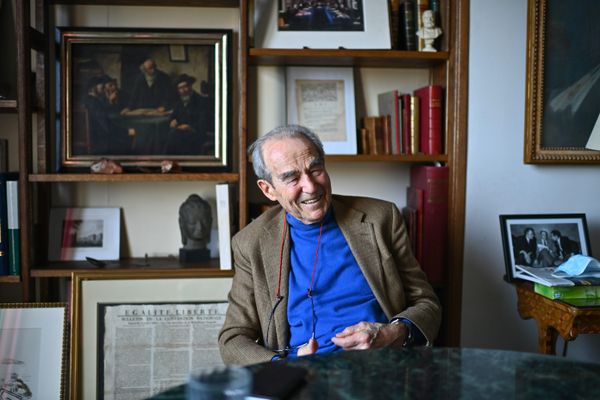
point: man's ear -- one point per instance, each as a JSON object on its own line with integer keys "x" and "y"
{"x": 267, "y": 189}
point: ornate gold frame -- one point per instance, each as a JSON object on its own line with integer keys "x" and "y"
{"x": 536, "y": 152}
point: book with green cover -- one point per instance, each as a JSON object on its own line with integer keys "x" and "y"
{"x": 568, "y": 292}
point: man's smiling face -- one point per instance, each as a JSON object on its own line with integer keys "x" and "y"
{"x": 299, "y": 181}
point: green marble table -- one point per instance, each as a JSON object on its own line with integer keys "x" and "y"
{"x": 439, "y": 373}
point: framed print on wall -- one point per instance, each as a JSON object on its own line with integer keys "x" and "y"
{"x": 172, "y": 316}
{"x": 322, "y": 99}
{"x": 535, "y": 244}
{"x": 359, "y": 24}
{"x": 142, "y": 96}
{"x": 563, "y": 82}
{"x": 77, "y": 233}
{"x": 33, "y": 350}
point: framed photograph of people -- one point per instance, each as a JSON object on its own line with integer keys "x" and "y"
{"x": 535, "y": 244}
{"x": 562, "y": 110}
{"x": 140, "y": 97}
{"x": 77, "y": 233}
{"x": 172, "y": 316}
{"x": 322, "y": 98}
{"x": 358, "y": 24}
{"x": 34, "y": 341}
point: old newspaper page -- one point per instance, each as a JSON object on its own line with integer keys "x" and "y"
{"x": 151, "y": 347}
{"x": 321, "y": 106}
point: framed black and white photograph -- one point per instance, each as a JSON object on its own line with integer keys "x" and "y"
{"x": 139, "y": 97}
{"x": 172, "y": 316}
{"x": 356, "y": 24}
{"x": 535, "y": 244}
{"x": 562, "y": 111}
{"x": 322, "y": 99}
{"x": 77, "y": 233}
{"x": 34, "y": 341}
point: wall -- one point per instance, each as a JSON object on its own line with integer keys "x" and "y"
{"x": 498, "y": 182}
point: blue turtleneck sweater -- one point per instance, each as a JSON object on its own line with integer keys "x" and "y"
{"x": 342, "y": 297}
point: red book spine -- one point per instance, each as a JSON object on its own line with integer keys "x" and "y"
{"x": 415, "y": 200}
{"x": 406, "y": 123}
{"x": 431, "y": 118}
{"x": 433, "y": 181}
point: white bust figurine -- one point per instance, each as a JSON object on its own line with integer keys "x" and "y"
{"x": 429, "y": 32}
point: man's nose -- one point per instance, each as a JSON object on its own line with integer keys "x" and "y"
{"x": 308, "y": 183}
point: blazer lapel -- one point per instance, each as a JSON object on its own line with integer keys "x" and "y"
{"x": 361, "y": 238}
{"x": 270, "y": 251}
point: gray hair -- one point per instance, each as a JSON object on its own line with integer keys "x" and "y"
{"x": 255, "y": 151}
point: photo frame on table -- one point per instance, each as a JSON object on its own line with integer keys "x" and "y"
{"x": 533, "y": 243}
{"x": 562, "y": 83}
{"x": 77, "y": 233}
{"x": 143, "y": 305}
{"x": 322, "y": 98}
{"x": 361, "y": 25}
{"x": 140, "y": 96}
{"x": 34, "y": 341}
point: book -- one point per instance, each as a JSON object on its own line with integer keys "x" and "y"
{"x": 394, "y": 6}
{"x": 373, "y": 124}
{"x": 420, "y": 6}
{"x": 570, "y": 292}
{"x": 430, "y": 118}
{"x": 4, "y": 246}
{"x": 433, "y": 181}
{"x": 405, "y": 123}
{"x": 389, "y": 103}
{"x": 414, "y": 200}
{"x": 408, "y": 36}
{"x": 415, "y": 128}
{"x": 410, "y": 220}
{"x": 14, "y": 243}
{"x": 224, "y": 220}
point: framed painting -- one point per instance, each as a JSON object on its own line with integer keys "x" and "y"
{"x": 148, "y": 327}
{"x": 563, "y": 83}
{"x": 535, "y": 244}
{"x": 80, "y": 233}
{"x": 357, "y": 24}
{"x": 140, "y": 97}
{"x": 33, "y": 350}
{"x": 322, "y": 99}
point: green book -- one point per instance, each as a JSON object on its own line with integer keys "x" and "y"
{"x": 568, "y": 292}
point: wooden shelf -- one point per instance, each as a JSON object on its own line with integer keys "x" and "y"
{"x": 135, "y": 177}
{"x": 412, "y": 158}
{"x": 10, "y": 279}
{"x": 8, "y": 106}
{"x": 65, "y": 268}
{"x": 343, "y": 57}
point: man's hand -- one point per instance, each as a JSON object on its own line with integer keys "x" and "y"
{"x": 367, "y": 335}
{"x": 309, "y": 348}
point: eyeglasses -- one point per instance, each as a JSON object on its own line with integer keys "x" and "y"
{"x": 287, "y": 349}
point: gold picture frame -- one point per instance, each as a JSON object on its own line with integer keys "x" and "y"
{"x": 120, "y": 95}
{"x": 150, "y": 291}
{"x": 33, "y": 350}
{"x": 562, "y": 99}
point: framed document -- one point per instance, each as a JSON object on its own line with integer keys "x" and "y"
{"x": 322, "y": 99}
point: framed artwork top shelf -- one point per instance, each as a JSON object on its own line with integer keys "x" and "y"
{"x": 345, "y": 57}
{"x": 135, "y": 177}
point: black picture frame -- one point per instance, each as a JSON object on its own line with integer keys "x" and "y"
{"x": 562, "y": 100}
{"x": 573, "y": 234}
{"x": 136, "y": 127}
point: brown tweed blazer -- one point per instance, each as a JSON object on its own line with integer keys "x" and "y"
{"x": 377, "y": 237}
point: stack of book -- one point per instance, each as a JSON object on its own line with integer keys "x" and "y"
{"x": 426, "y": 218}
{"x": 407, "y": 123}
{"x": 568, "y": 292}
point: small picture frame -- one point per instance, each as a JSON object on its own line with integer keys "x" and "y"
{"x": 152, "y": 307}
{"x": 367, "y": 25}
{"x": 537, "y": 243}
{"x": 77, "y": 233}
{"x": 34, "y": 341}
{"x": 322, "y": 99}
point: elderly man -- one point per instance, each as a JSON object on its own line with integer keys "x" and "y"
{"x": 320, "y": 272}
{"x": 151, "y": 89}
